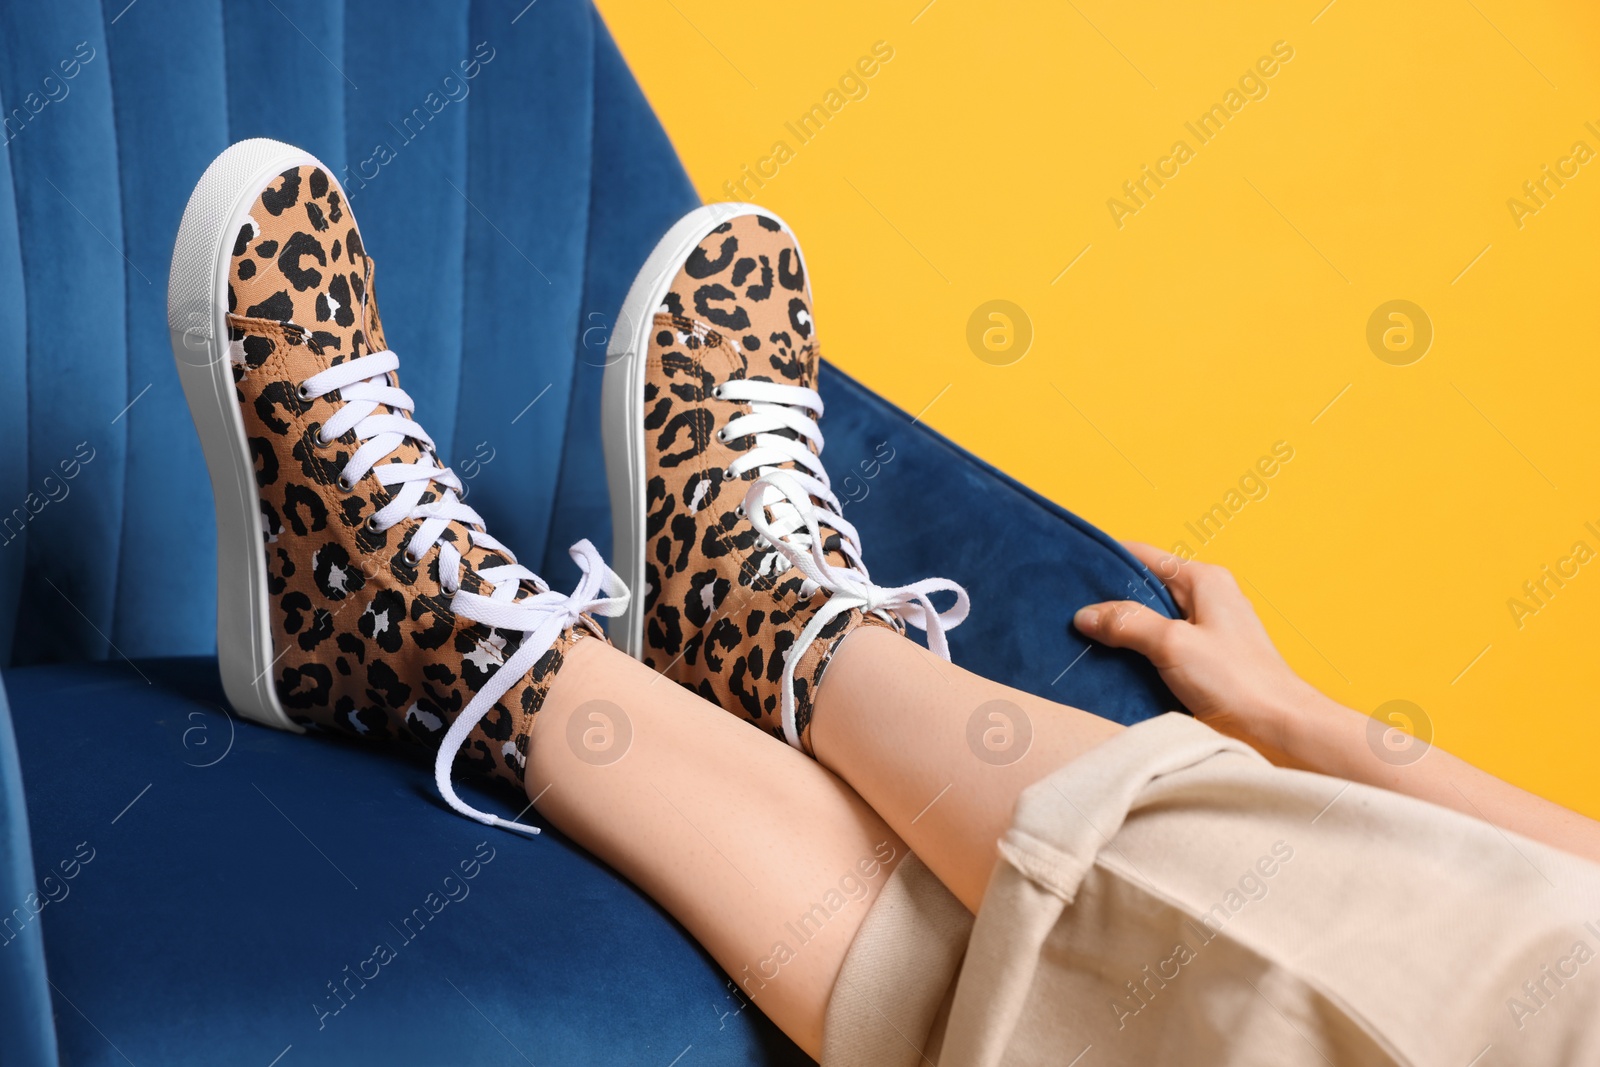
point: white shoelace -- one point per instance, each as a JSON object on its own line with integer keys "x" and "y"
{"x": 364, "y": 385}
{"x": 788, "y": 506}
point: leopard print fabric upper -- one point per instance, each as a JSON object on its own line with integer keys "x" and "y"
{"x": 365, "y": 642}
{"x": 717, "y": 618}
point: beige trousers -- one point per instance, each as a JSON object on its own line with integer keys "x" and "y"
{"x": 1172, "y": 898}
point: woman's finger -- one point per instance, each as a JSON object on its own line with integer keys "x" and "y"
{"x": 1170, "y": 569}
{"x": 1129, "y": 624}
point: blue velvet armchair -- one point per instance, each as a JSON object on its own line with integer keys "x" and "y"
{"x": 179, "y": 886}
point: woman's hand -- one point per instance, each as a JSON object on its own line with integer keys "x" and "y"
{"x": 1218, "y": 660}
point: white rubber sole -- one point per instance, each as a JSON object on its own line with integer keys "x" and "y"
{"x": 622, "y": 404}
{"x": 197, "y": 305}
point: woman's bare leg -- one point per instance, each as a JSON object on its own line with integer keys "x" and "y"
{"x": 940, "y": 753}
{"x": 769, "y": 860}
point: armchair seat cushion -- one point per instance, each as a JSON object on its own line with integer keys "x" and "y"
{"x": 236, "y": 890}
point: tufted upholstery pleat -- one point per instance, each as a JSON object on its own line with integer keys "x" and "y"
{"x": 68, "y": 207}
{"x": 13, "y": 401}
{"x": 524, "y": 262}
{"x": 169, "y": 118}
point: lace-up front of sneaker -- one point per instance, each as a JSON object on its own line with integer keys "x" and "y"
{"x": 792, "y": 505}
{"x": 377, "y": 413}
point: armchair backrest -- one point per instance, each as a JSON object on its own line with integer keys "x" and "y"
{"x": 466, "y": 138}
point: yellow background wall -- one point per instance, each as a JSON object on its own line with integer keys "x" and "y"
{"x": 1175, "y": 344}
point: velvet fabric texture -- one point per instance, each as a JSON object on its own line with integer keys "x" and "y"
{"x": 27, "y": 1032}
{"x": 510, "y": 179}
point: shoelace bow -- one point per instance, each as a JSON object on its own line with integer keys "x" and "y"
{"x": 788, "y": 505}
{"x": 364, "y": 386}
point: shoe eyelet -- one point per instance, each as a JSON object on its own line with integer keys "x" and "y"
{"x": 722, "y": 436}
{"x": 372, "y": 524}
{"x": 411, "y": 557}
{"x": 739, "y": 511}
{"x": 716, "y": 392}
{"x": 346, "y": 484}
{"x": 727, "y": 474}
{"x": 303, "y": 393}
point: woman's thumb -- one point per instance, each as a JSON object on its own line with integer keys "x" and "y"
{"x": 1123, "y": 624}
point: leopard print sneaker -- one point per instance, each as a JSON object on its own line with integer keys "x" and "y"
{"x": 722, "y": 511}
{"x": 356, "y": 592}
